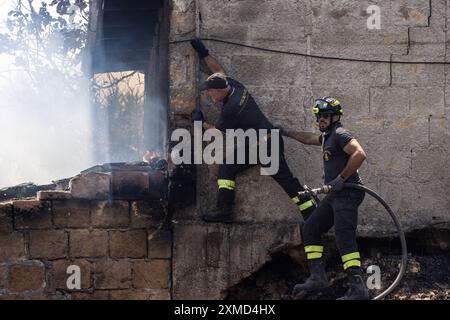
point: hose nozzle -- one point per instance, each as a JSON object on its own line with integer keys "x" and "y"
{"x": 314, "y": 192}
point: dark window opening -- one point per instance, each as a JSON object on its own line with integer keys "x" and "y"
{"x": 129, "y": 65}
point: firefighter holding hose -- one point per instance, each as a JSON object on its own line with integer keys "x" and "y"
{"x": 342, "y": 157}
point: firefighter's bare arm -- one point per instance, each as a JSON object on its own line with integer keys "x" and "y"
{"x": 203, "y": 54}
{"x": 304, "y": 137}
{"x": 214, "y": 65}
{"x": 357, "y": 157}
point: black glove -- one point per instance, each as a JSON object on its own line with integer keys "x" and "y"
{"x": 197, "y": 115}
{"x": 198, "y": 45}
{"x": 337, "y": 184}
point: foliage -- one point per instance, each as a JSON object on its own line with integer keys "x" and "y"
{"x": 47, "y": 38}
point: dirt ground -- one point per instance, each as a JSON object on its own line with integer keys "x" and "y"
{"x": 426, "y": 278}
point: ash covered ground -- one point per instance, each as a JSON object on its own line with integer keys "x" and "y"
{"x": 427, "y": 276}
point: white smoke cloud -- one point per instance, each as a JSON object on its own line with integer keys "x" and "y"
{"x": 45, "y": 126}
{"x": 46, "y": 135}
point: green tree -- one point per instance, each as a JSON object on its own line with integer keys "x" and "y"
{"x": 47, "y": 38}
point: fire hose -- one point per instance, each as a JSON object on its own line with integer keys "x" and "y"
{"x": 326, "y": 189}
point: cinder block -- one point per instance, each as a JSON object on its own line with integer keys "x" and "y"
{"x": 91, "y": 185}
{"x": 96, "y": 295}
{"x": 32, "y": 214}
{"x": 261, "y": 199}
{"x": 255, "y": 12}
{"x": 439, "y": 131}
{"x": 147, "y": 214}
{"x": 419, "y": 75}
{"x": 390, "y": 160}
{"x": 26, "y": 277}
{"x": 447, "y": 91}
{"x": 326, "y": 73}
{"x": 411, "y": 13}
{"x": 409, "y": 132}
{"x": 157, "y": 185}
{"x": 214, "y": 242}
{"x": 159, "y": 244}
{"x": 112, "y": 274}
{"x": 340, "y": 29}
{"x": 128, "y": 244}
{"x": 24, "y": 297}
{"x": 182, "y": 68}
{"x": 12, "y": 247}
{"x": 182, "y": 19}
{"x": 438, "y": 14}
{"x": 129, "y": 184}
{"x": 425, "y": 101}
{"x": 88, "y": 244}
{"x": 152, "y": 274}
{"x": 111, "y": 214}
{"x": 3, "y": 274}
{"x": 6, "y": 221}
{"x": 384, "y": 100}
{"x": 60, "y": 275}
{"x": 53, "y": 195}
{"x": 140, "y": 295}
{"x": 358, "y": 42}
{"x": 48, "y": 244}
{"x": 213, "y": 11}
{"x": 281, "y": 103}
{"x": 278, "y": 71}
{"x": 428, "y": 163}
{"x": 230, "y": 32}
{"x": 281, "y": 36}
{"x": 183, "y": 99}
{"x": 427, "y": 41}
{"x": 71, "y": 214}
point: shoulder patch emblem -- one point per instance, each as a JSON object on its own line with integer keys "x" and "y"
{"x": 327, "y": 155}
{"x": 243, "y": 101}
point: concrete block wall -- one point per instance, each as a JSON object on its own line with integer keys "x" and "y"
{"x": 122, "y": 247}
{"x": 398, "y": 112}
{"x": 208, "y": 259}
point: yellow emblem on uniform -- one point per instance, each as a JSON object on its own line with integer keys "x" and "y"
{"x": 326, "y": 155}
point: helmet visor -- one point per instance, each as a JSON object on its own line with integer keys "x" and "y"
{"x": 321, "y": 106}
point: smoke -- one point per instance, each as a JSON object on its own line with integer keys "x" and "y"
{"x": 45, "y": 118}
{"x": 53, "y": 125}
{"x": 45, "y": 129}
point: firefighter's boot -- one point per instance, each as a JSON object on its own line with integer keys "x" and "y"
{"x": 356, "y": 287}
{"x": 317, "y": 280}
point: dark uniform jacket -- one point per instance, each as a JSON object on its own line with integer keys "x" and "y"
{"x": 240, "y": 110}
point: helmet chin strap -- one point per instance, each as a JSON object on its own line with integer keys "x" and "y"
{"x": 330, "y": 125}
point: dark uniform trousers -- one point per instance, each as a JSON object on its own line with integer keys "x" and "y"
{"x": 290, "y": 184}
{"x": 341, "y": 210}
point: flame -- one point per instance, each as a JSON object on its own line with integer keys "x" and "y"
{"x": 149, "y": 156}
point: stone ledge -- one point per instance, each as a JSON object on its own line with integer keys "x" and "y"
{"x": 32, "y": 214}
{"x": 48, "y": 195}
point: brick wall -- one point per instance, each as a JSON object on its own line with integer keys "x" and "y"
{"x": 122, "y": 247}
